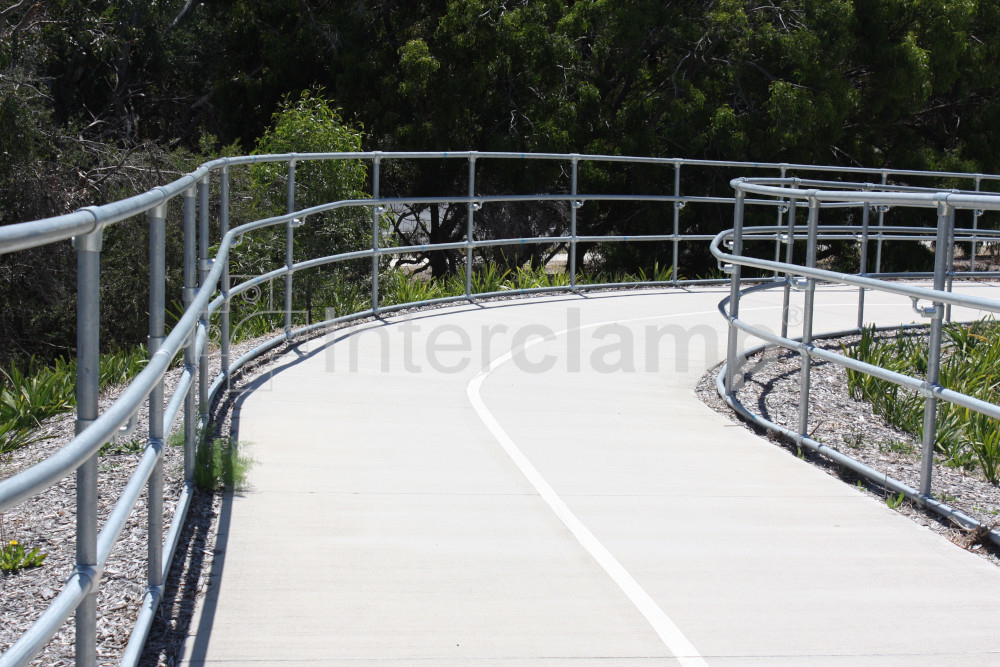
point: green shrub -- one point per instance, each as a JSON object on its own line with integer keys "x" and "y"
{"x": 969, "y": 364}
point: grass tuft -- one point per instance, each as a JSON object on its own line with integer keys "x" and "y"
{"x": 221, "y": 463}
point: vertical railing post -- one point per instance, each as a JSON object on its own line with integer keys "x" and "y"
{"x": 975, "y": 228}
{"x": 881, "y": 230}
{"x": 807, "y": 317}
{"x": 675, "y": 260}
{"x": 224, "y": 312}
{"x": 734, "y": 292}
{"x": 789, "y": 259}
{"x": 88, "y": 328}
{"x": 289, "y": 247}
{"x": 376, "y": 213}
{"x": 574, "y": 205}
{"x": 950, "y": 268}
{"x": 863, "y": 261}
{"x": 190, "y": 365}
{"x": 946, "y": 219}
{"x": 777, "y": 237}
{"x": 157, "y": 330}
{"x": 204, "y": 266}
{"x": 469, "y": 225}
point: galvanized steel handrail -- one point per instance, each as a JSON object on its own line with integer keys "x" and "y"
{"x": 90, "y": 219}
{"x": 945, "y": 237}
{"x": 207, "y": 292}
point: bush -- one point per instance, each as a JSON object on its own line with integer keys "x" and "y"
{"x": 309, "y": 124}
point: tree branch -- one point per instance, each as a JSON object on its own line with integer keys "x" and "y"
{"x": 185, "y": 12}
{"x": 13, "y": 8}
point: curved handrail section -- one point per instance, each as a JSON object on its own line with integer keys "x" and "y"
{"x": 727, "y": 247}
{"x": 208, "y": 293}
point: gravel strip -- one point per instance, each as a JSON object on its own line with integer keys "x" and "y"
{"x": 851, "y": 427}
{"x": 48, "y": 521}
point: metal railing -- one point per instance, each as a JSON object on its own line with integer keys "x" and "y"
{"x": 815, "y": 196}
{"x": 207, "y": 292}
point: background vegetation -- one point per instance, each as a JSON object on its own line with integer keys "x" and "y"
{"x": 103, "y": 99}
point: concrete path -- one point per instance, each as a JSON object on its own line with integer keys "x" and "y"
{"x": 534, "y": 481}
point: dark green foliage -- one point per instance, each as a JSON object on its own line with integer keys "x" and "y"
{"x": 101, "y": 100}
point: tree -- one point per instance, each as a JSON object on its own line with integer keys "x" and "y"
{"x": 309, "y": 123}
{"x": 98, "y": 93}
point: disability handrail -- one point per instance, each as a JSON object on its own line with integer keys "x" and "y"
{"x": 730, "y": 376}
{"x": 207, "y": 292}
{"x": 90, "y": 219}
{"x": 916, "y": 197}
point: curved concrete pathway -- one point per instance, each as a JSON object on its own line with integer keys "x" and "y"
{"x": 534, "y": 481}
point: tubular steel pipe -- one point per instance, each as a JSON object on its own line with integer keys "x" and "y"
{"x": 675, "y": 255}
{"x": 190, "y": 287}
{"x": 157, "y": 308}
{"x": 873, "y": 282}
{"x": 88, "y": 371}
{"x": 929, "y": 388}
{"x": 789, "y": 259}
{"x": 950, "y": 263}
{"x": 72, "y": 597}
{"x": 734, "y": 295}
{"x": 152, "y": 457}
{"x": 33, "y": 234}
{"x": 779, "y": 223}
{"x": 185, "y": 384}
{"x": 881, "y": 225}
{"x": 807, "y": 319}
{"x": 863, "y": 261}
{"x": 224, "y": 313}
{"x": 151, "y": 600}
{"x": 204, "y": 265}
{"x": 376, "y": 183}
{"x": 289, "y": 245}
{"x": 975, "y": 226}
{"x": 23, "y": 485}
{"x": 471, "y": 209}
{"x": 921, "y": 387}
{"x": 946, "y": 218}
{"x": 574, "y": 185}
{"x": 263, "y": 223}
{"x": 925, "y": 198}
{"x": 157, "y": 332}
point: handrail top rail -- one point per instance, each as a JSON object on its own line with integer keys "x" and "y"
{"x": 824, "y": 275}
{"x": 87, "y": 220}
{"x": 789, "y": 188}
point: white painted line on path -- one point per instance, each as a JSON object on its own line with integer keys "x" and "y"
{"x": 675, "y": 640}
{"x": 669, "y": 633}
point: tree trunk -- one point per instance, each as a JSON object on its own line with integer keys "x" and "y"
{"x": 438, "y": 259}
